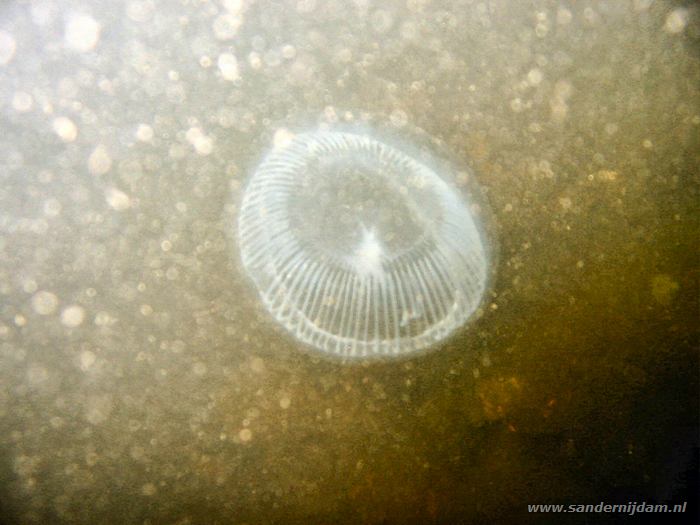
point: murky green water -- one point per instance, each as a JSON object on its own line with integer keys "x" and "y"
{"x": 142, "y": 382}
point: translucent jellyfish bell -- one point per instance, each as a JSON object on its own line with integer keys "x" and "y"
{"x": 358, "y": 249}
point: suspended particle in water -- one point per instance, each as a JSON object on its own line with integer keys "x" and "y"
{"x": 358, "y": 249}
{"x": 44, "y": 303}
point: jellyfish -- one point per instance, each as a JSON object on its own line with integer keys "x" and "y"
{"x": 359, "y": 249}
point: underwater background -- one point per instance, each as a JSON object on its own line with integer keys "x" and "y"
{"x": 141, "y": 380}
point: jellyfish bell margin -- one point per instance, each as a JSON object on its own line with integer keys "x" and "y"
{"x": 361, "y": 248}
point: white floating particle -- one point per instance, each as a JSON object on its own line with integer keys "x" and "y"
{"x": 306, "y": 6}
{"x": 381, "y": 21}
{"x": 228, "y": 65}
{"x": 117, "y": 199}
{"x": 144, "y": 132}
{"x": 257, "y": 365}
{"x": 289, "y": 51}
{"x": 590, "y": 15}
{"x": 22, "y": 102}
{"x": 8, "y": 46}
{"x": 534, "y": 76}
{"x": 52, "y": 207}
{"x": 611, "y": 128}
{"x": 565, "y": 203}
{"x": 564, "y": 16}
{"x": 99, "y": 161}
{"x": 642, "y": 5}
{"x": 37, "y": 374}
{"x": 226, "y": 26}
{"x": 98, "y": 409}
{"x": 233, "y": 6}
{"x": 254, "y": 60}
{"x": 139, "y": 11}
{"x": 245, "y": 435}
{"x": 87, "y": 359}
{"x": 72, "y": 316}
{"x": 43, "y": 13}
{"x": 106, "y": 86}
{"x": 65, "y": 128}
{"x": 149, "y": 489}
{"x": 44, "y": 303}
{"x": 202, "y": 144}
{"x": 91, "y": 458}
{"x": 676, "y": 21}
{"x": 146, "y": 309}
{"x": 398, "y": 118}
{"x": 82, "y": 33}
{"x": 563, "y": 89}
{"x": 283, "y": 137}
{"x": 285, "y": 402}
